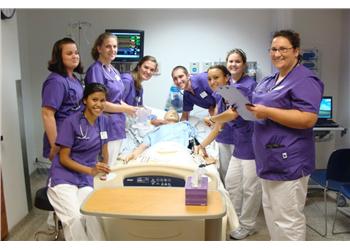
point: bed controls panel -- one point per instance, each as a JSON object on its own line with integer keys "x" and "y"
{"x": 154, "y": 180}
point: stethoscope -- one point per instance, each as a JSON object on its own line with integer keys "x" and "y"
{"x": 107, "y": 74}
{"x": 72, "y": 95}
{"x": 138, "y": 100}
{"x": 84, "y": 136}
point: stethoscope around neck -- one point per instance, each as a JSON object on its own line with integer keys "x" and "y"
{"x": 84, "y": 135}
{"x": 107, "y": 74}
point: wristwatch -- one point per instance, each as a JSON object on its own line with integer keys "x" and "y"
{"x": 7, "y": 13}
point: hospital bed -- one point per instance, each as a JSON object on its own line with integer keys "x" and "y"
{"x": 163, "y": 168}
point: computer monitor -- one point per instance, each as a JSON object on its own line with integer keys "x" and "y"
{"x": 130, "y": 44}
{"x": 326, "y": 108}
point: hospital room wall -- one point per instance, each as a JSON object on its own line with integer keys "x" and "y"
{"x": 343, "y": 103}
{"x": 174, "y": 37}
{"x": 327, "y": 37}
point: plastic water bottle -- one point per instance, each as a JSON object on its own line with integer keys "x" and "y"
{"x": 176, "y": 98}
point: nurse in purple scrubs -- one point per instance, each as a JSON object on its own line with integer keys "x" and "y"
{"x": 83, "y": 154}
{"x": 61, "y": 92}
{"x": 287, "y": 104}
{"x": 104, "y": 52}
{"x": 241, "y": 180}
{"x": 143, "y": 71}
{"x": 196, "y": 91}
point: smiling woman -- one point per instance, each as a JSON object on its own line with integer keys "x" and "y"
{"x": 287, "y": 104}
{"x": 83, "y": 154}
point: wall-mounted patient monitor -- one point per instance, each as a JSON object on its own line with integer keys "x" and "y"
{"x": 130, "y": 44}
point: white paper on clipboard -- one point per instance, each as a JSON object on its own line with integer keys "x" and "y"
{"x": 234, "y": 97}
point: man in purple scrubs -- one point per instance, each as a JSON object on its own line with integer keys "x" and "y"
{"x": 287, "y": 104}
{"x": 196, "y": 91}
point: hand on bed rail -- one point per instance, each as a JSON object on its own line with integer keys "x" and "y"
{"x": 100, "y": 167}
{"x": 200, "y": 150}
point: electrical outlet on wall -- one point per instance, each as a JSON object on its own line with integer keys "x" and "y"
{"x": 194, "y": 67}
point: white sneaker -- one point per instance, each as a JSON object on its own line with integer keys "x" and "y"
{"x": 241, "y": 233}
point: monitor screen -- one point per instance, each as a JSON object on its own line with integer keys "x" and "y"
{"x": 326, "y": 108}
{"x": 130, "y": 44}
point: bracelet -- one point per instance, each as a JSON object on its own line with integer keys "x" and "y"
{"x": 211, "y": 120}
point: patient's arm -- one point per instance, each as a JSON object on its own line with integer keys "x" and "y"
{"x": 158, "y": 122}
{"x": 137, "y": 151}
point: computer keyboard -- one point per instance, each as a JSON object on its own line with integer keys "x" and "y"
{"x": 323, "y": 123}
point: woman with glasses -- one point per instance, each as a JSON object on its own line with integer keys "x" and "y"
{"x": 286, "y": 105}
{"x": 240, "y": 179}
{"x": 61, "y": 92}
{"x": 83, "y": 154}
{"x": 104, "y": 52}
{"x": 143, "y": 71}
{"x": 196, "y": 91}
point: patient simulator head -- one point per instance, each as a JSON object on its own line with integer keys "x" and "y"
{"x": 171, "y": 116}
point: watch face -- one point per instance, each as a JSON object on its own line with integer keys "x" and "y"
{"x": 7, "y": 13}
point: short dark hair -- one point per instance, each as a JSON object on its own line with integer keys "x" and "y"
{"x": 94, "y": 87}
{"x": 179, "y": 67}
{"x": 99, "y": 41}
{"x": 56, "y": 63}
{"x": 239, "y": 52}
{"x": 292, "y": 36}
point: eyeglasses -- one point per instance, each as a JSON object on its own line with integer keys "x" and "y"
{"x": 281, "y": 50}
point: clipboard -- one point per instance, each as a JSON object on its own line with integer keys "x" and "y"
{"x": 235, "y": 98}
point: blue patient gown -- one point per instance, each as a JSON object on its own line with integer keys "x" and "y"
{"x": 180, "y": 132}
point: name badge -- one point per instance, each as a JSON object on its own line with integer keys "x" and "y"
{"x": 103, "y": 135}
{"x": 203, "y": 94}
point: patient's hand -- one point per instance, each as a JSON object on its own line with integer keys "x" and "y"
{"x": 128, "y": 157}
{"x": 158, "y": 122}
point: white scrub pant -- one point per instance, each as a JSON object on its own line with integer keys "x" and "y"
{"x": 244, "y": 188}
{"x": 113, "y": 151}
{"x": 66, "y": 199}
{"x": 225, "y": 153}
{"x": 283, "y": 203}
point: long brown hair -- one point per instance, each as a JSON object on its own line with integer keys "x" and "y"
{"x": 99, "y": 41}
{"x": 135, "y": 72}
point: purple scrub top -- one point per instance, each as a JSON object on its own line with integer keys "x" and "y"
{"x": 99, "y": 73}
{"x": 85, "y": 143}
{"x": 226, "y": 134}
{"x": 203, "y": 93}
{"x": 132, "y": 96}
{"x": 63, "y": 94}
{"x": 240, "y": 130}
{"x": 301, "y": 89}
